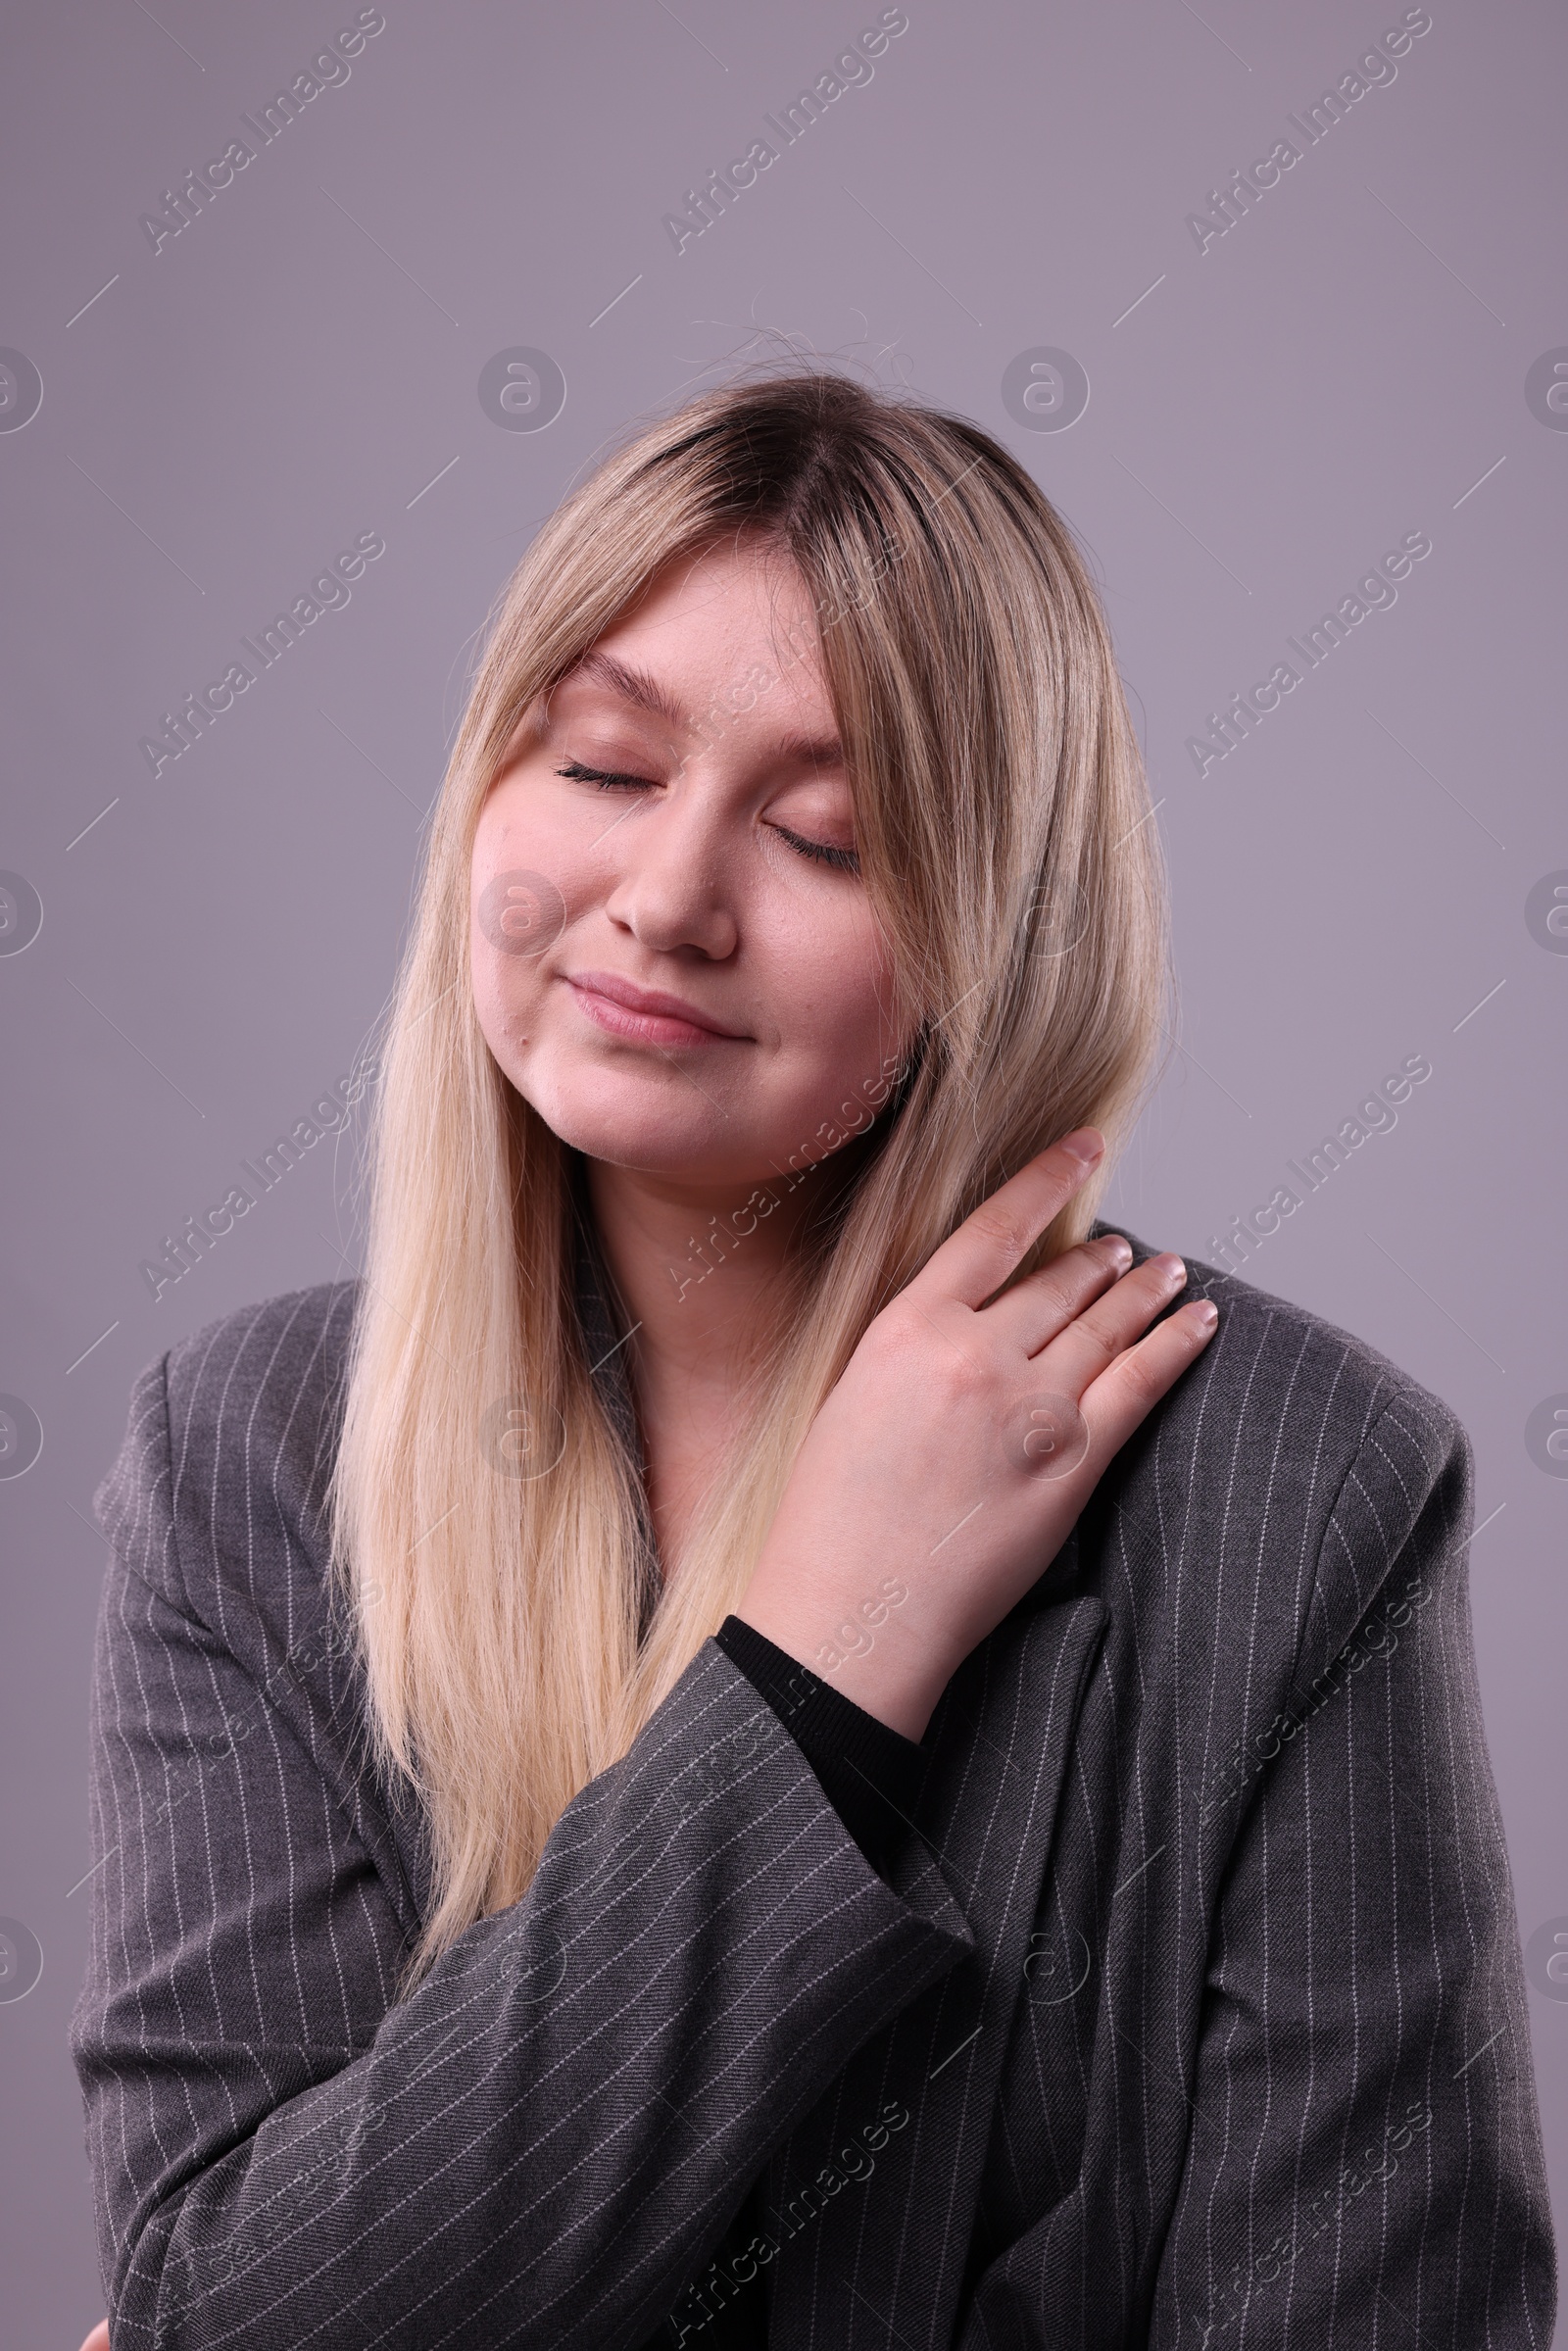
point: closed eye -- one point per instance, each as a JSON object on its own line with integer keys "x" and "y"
{"x": 611, "y": 779}
{"x": 604, "y": 777}
{"x": 849, "y": 860}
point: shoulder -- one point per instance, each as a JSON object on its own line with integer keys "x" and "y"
{"x": 230, "y": 1443}
{"x": 1282, "y": 1476}
{"x": 1271, "y": 1358}
{"x": 1292, "y": 1370}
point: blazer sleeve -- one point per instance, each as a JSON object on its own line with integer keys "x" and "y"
{"x": 1364, "y": 2161}
{"x": 542, "y": 2141}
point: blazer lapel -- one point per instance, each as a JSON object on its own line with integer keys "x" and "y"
{"x": 881, "y": 2262}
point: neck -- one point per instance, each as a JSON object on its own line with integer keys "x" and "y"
{"x": 697, "y": 1313}
{"x": 698, "y": 1278}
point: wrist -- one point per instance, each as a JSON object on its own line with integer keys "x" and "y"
{"x": 891, "y": 1676}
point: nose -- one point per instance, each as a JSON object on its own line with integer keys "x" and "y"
{"x": 675, "y": 865}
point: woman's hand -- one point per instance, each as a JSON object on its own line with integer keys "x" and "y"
{"x": 98, "y": 2341}
{"x": 948, "y": 1465}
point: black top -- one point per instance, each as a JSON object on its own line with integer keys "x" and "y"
{"x": 868, "y": 1771}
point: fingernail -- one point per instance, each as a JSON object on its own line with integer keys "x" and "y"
{"x": 1203, "y": 1310}
{"x": 1084, "y": 1145}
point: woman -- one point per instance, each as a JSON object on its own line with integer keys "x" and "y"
{"x": 754, "y": 1738}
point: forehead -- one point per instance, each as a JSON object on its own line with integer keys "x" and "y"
{"x": 720, "y": 625}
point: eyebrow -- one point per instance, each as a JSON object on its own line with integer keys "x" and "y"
{"x": 645, "y": 693}
{"x": 635, "y": 686}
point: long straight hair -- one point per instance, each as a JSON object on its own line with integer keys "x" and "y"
{"x": 1000, "y": 811}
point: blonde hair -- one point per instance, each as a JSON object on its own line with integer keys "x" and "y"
{"x": 1001, "y": 812}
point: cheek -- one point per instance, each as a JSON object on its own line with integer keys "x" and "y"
{"x": 506, "y": 1000}
{"x": 518, "y": 877}
{"x": 521, "y": 825}
{"x": 832, "y": 984}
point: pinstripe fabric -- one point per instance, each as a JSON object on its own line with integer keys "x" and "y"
{"x": 1195, "y": 1980}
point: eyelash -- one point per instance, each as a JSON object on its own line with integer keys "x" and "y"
{"x": 845, "y": 859}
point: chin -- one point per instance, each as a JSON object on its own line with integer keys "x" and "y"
{"x": 655, "y": 1121}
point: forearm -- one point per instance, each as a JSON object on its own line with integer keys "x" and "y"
{"x": 870, "y": 1775}
{"x": 547, "y": 2136}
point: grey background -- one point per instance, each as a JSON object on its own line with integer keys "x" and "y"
{"x": 1345, "y": 366}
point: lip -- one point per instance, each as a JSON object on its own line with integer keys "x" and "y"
{"x": 648, "y": 1014}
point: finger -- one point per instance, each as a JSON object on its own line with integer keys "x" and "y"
{"x": 1105, "y": 1329}
{"x": 989, "y": 1243}
{"x": 1031, "y": 1313}
{"x": 98, "y": 2341}
{"x": 1122, "y": 1397}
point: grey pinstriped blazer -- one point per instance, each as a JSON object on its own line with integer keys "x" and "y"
{"x": 1197, "y": 1974}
